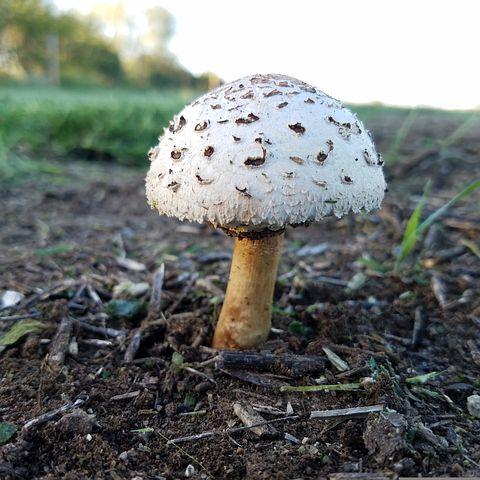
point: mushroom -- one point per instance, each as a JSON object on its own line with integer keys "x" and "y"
{"x": 294, "y": 165}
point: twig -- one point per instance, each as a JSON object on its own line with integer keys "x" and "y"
{"x": 108, "y": 332}
{"x": 14, "y": 318}
{"x": 125, "y": 396}
{"x": 294, "y": 365}
{"x": 353, "y": 372}
{"x": 154, "y": 308}
{"x": 229, "y": 431}
{"x": 438, "y": 288}
{"x": 418, "y": 326}
{"x": 97, "y": 342}
{"x": 341, "y": 387}
{"x": 343, "y": 413}
{"x": 156, "y": 295}
{"x": 346, "y": 412}
{"x": 133, "y": 346}
{"x": 60, "y": 342}
{"x": 52, "y": 414}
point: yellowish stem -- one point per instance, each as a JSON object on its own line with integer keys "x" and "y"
{"x": 245, "y": 318}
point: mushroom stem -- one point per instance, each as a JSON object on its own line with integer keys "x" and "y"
{"x": 245, "y": 318}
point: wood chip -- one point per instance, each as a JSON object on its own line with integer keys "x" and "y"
{"x": 335, "y": 360}
{"x": 60, "y": 342}
{"x": 249, "y": 417}
{"x": 130, "y": 264}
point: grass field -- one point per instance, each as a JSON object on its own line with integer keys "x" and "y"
{"x": 39, "y": 124}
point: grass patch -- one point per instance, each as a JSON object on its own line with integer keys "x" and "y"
{"x": 115, "y": 124}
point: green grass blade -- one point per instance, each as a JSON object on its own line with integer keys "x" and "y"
{"x": 438, "y": 213}
{"x": 410, "y": 236}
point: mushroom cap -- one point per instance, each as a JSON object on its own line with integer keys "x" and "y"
{"x": 261, "y": 153}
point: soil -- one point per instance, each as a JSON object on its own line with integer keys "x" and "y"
{"x": 64, "y": 244}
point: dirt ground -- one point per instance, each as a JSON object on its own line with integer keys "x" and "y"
{"x": 67, "y": 242}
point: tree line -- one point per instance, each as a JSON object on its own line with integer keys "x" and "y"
{"x": 39, "y": 43}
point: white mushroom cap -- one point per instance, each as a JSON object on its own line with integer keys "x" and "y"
{"x": 261, "y": 153}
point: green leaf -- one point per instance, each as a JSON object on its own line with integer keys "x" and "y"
{"x": 177, "y": 361}
{"x": 299, "y": 328}
{"x": 19, "y": 330}
{"x": 55, "y": 250}
{"x": 128, "y": 309}
{"x": 7, "y": 431}
{"x": 472, "y": 246}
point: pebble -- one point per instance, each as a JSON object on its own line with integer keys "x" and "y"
{"x": 190, "y": 471}
{"x": 123, "y": 456}
{"x": 473, "y": 405}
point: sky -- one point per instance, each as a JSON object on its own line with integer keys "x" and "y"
{"x": 405, "y": 52}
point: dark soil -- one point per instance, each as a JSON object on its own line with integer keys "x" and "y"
{"x": 60, "y": 247}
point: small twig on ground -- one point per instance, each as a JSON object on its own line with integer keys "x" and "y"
{"x": 156, "y": 295}
{"x": 294, "y": 365}
{"x": 97, "y": 342}
{"x": 229, "y": 431}
{"x": 59, "y": 345}
{"x": 346, "y": 413}
{"x": 15, "y": 318}
{"x": 255, "y": 379}
{"x": 343, "y": 413}
{"x": 353, "y": 372}
{"x": 418, "y": 326}
{"x": 201, "y": 374}
{"x": 154, "y": 309}
{"x": 52, "y": 414}
{"x": 340, "y": 387}
{"x": 125, "y": 396}
{"x": 108, "y": 332}
{"x": 439, "y": 289}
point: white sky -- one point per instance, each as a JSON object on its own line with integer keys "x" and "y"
{"x": 402, "y": 52}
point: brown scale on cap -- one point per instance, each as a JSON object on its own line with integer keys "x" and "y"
{"x": 216, "y": 106}
{"x": 272, "y": 93}
{"x": 347, "y": 180}
{"x": 297, "y": 128}
{"x": 322, "y": 156}
{"x": 203, "y": 181}
{"x": 298, "y": 160}
{"x": 368, "y": 157}
{"x": 152, "y": 153}
{"x": 243, "y": 191}
{"x": 174, "y": 186}
{"x": 181, "y": 122}
{"x": 282, "y": 105}
{"x": 256, "y": 161}
{"x": 251, "y": 117}
{"x": 176, "y": 154}
{"x": 208, "y": 152}
{"x": 199, "y": 127}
